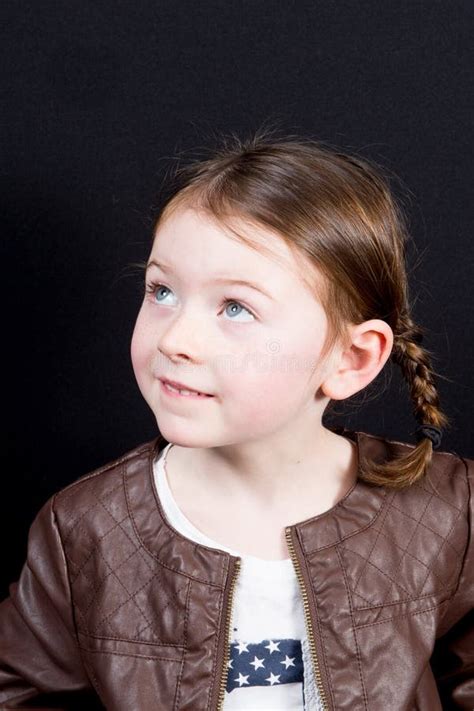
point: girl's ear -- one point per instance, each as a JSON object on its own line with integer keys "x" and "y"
{"x": 354, "y": 368}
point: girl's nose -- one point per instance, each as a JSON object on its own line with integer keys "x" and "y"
{"x": 182, "y": 338}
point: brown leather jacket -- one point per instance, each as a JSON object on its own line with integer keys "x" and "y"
{"x": 114, "y": 608}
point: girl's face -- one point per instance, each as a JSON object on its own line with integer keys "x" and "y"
{"x": 255, "y": 350}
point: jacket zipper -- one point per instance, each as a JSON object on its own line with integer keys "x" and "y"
{"x": 312, "y": 644}
{"x": 225, "y": 671}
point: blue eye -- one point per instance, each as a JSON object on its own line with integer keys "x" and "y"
{"x": 241, "y": 306}
{"x": 154, "y": 287}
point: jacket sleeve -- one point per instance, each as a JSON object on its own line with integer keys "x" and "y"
{"x": 452, "y": 661}
{"x": 40, "y": 663}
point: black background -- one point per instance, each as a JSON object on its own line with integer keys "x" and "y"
{"x": 96, "y": 99}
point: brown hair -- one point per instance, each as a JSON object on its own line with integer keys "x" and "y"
{"x": 337, "y": 209}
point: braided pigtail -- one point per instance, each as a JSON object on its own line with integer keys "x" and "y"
{"x": 416, "y": 367}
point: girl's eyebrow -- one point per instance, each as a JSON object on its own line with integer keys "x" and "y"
{"x": 223, "y": 279}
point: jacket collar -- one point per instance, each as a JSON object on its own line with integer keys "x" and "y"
{"x": 357, "y": 510}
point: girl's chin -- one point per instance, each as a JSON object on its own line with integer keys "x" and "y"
{"x": 184, "y": 437}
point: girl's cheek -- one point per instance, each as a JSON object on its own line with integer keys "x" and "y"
{"x": 138, "y": 349}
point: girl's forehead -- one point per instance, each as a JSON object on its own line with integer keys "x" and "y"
{"x": 188, "y": 236}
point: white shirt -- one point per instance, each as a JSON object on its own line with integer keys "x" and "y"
{"x": 269, "y": 658}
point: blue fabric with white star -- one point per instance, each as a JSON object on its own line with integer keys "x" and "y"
{"x": 265, "y": 663}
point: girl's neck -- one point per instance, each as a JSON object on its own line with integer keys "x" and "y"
{"x": 230, "y": 512}
{"x": 292, "y": 486}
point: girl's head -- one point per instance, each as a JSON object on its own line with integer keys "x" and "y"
{"x": 320, "y": 233}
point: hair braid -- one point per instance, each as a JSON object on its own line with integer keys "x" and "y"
{"x": 415, "y": 364}
{"x": 416, "y": 367}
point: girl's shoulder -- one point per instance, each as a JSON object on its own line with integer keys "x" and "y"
{"x": 101, "y": 494}
{"x": 447, "y": 467}
{"x": 103, "y": 473}
{"x": 450, "y": 476}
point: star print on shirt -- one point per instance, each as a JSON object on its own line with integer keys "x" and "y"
{"x": 266, "y": 663}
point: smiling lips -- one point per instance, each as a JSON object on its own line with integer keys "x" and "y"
{"x": 179, "y": 390}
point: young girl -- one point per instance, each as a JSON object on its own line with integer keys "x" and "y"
{"x": 250, "y": 557}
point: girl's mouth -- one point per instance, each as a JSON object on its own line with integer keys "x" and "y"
{"x": 175, "y": 392}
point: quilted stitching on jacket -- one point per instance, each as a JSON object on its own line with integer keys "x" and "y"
{"x": 424, "y": 560}
{"x": 113, "y": 585}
